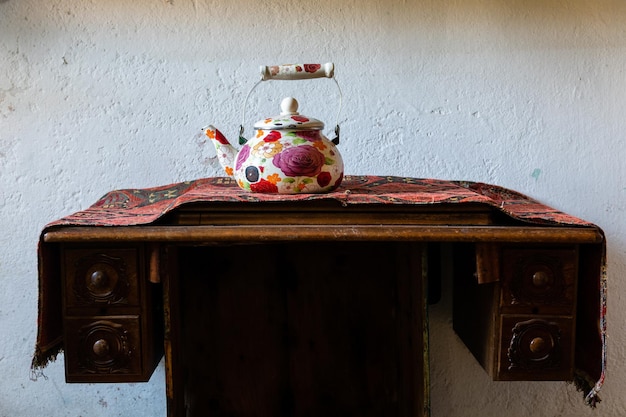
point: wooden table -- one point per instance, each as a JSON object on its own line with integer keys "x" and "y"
{"x": 309, "y": 308}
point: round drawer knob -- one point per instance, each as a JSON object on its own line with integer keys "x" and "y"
{"x": 537, "y": 345}
{"x": 101, "y": 347}
{"x": 542, "y": 279}
{"x": 98, "y": 279}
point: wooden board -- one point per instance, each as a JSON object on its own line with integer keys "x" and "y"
{"x": 304, "y": 329}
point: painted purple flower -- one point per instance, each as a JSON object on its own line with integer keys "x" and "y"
{"x": 300, "y": 161}
{"x": 242, "y": 156}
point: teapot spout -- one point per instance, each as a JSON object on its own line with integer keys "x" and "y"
{"x": 226, "y": 153}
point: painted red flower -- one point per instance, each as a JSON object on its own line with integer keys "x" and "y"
{"x": 312, "y": 67}
{"x": 310, "y": 135}
{"x": 264, "y": 186}
{"x": 220, "y": 138}
{"x": 273, "y": 136}
{"x": 301, "y": 119}
{"x": 299, "y": 161}
{"x": 217, "y": 135}
{"x": 338, "y": 182}
{"x": 323, "y": 179}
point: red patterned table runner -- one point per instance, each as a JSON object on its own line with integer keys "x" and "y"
{"x": 144, "y": 206}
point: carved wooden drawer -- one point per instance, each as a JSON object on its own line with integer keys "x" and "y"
{"x": 112, "y": 328}
{"x": 106, "y": 347}
{"x": 538, "y": 281}
{"x": 515, "y": 309}
{"x": 536, "y": 348}
{"x": 101, "y": 277}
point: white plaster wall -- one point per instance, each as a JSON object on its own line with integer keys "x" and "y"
{"x": 99, "y": 95}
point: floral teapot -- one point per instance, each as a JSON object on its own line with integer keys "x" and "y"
{"x": 288, "y": 154}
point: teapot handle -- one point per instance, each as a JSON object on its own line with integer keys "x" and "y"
{"x": 297, "y": 71}
{"x": 294, "y": 72}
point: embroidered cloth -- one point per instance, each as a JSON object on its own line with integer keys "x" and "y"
{"x": 145, "y": 206}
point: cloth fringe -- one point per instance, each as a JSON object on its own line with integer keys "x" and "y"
{"x": 41, "y": 360}
{"x": 585, "y": 384}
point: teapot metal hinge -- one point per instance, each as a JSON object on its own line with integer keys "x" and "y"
{"x": 242, "y": 139}
{"x": 336, "y": 139}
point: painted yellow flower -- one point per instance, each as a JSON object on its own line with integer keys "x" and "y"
{"x": 267, "y": 149}
{"x": 229, "y": 171}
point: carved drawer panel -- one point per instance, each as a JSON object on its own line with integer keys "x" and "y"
{"x": 537, "y": 347}
{"x": 539, "y": 281}
{"x": 518, "y": 318}
{"x": 112, "y": 314}
{"x": 103, "y": 348}
{"x": 101, "y": 277}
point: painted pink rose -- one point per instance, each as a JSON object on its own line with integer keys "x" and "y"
{"x": 305, "y": 161}
{"x": 242, "y": 156}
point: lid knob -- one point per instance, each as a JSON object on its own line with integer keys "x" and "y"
{"x": 288, "y": 106}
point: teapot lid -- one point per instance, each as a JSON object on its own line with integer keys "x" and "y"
{"x": 289, "y": 118}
